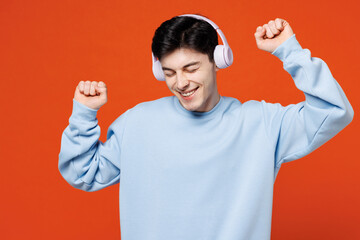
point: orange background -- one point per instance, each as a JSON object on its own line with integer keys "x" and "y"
{"x": 47, "y": 47}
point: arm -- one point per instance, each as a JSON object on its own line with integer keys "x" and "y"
{"x": 298, "y": 129}
{"x": 84, "y": 161}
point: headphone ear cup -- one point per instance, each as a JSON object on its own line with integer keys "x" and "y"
{"x": 223, "y": 56}
{"x": 219, "y": 56}
{"x": 157, "y": 71}
{"x": 228, "y": 54}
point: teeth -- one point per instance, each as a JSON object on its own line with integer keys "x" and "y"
{"x": 188, "y": 94}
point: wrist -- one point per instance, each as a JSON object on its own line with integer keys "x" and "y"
{"x": 284, "y": 49}
{"x": 82, "y": 111}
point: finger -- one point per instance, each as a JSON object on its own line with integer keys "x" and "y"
{"x": 285, "y": 23}
{"x": 260, "y": 32}
{"x": 279, "y": 24}
{"x": 81, "y": 86}
{"x": 87, "y": 88}
{"x": 273, "y": 28}
{"x": 101, "y": 87}
{"x": 269, "y": 34}
{"x": 92, "y": 88}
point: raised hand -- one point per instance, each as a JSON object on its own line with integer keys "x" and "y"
{"x": 271, "y": 35}
{"x": 92, "y": 94}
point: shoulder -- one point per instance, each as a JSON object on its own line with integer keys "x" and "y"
{"x": 144, "y": 111}
{"x": 233, "y": 104}
{"x": 250, "y": 105}
{"x": 256, "y": 108}
{"x": 263, "y": 105}
{"x": 152, "y": 106}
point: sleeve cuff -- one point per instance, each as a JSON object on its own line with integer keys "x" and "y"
{"x": 284, "y": 49}
{"x": 82, "y": 111}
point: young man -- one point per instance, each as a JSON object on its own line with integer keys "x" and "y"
{"x": 198, "y": 165}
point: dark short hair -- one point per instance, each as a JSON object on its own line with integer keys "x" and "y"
{"x": 184, "y": 32}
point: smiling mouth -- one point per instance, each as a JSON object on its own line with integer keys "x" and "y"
{"x": 189, "y": 93}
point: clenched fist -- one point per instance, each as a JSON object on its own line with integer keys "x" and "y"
{"x": 271, "y": 35}
{"x": 91, "y": 94}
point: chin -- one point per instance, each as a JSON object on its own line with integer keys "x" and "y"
{"x": 192, "y": 107}
{"x": 189, "y": 106}
{"x": 193, "y": 104}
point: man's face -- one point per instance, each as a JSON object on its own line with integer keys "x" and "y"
{"x": 192, "y": 78}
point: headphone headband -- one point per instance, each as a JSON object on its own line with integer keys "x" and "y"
{"x": 202, "y": 18}
{"x": 223, "y": 56}
{"x": 216, "y": 27}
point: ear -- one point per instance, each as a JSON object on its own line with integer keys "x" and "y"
{"x": 216, "y": 68}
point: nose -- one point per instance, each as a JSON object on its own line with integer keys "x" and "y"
{"x": 181, "y": 81}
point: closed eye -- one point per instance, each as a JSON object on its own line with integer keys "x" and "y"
{"x": 169, "y": 74}
{"x": 192, "y": 70}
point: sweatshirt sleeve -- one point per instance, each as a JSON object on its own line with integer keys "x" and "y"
{"x": 84, "y": 161}
{"x": 298, "y": 129}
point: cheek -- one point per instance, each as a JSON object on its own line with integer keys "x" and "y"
{"x": 209, "y": 82}
{"x": 172, "y": 86}
{"x": 169, "y": 84}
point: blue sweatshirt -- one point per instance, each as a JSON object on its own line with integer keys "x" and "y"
{"x": 204, "y": 176}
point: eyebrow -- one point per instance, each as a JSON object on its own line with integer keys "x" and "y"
{"x": 187, "y": 65}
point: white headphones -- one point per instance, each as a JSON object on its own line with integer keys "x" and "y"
{"x": 223, "y": 55}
